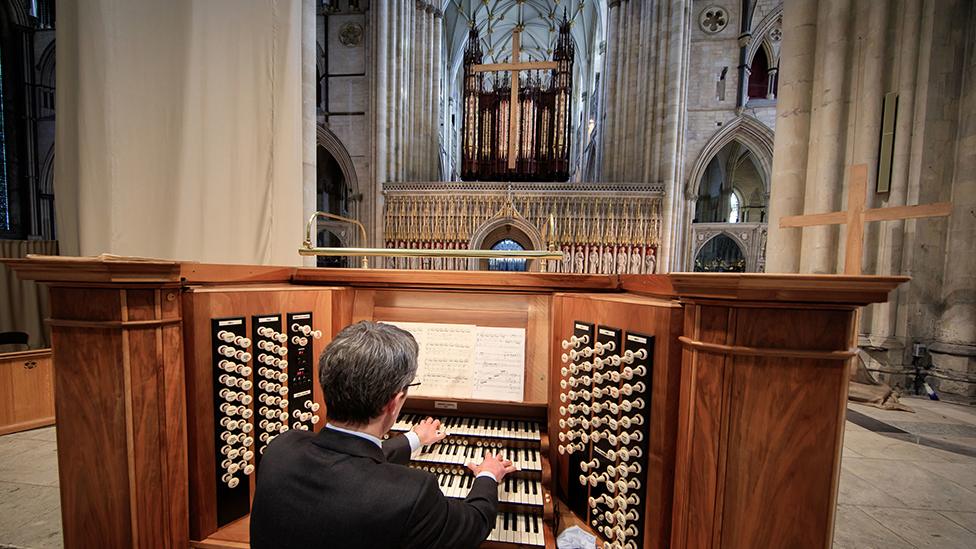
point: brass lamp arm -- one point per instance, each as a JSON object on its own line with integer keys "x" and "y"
{"x": 307, "y": 245}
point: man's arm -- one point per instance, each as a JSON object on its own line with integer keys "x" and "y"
{"x": 424, "y": 433}
{"x": 397, "y": 449}
{"x": 438, "y": 522}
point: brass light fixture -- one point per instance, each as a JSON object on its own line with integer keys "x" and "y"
{"x": 308, "y": 249}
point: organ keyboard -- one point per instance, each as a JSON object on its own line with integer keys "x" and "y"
{"x": 525, "y": 502}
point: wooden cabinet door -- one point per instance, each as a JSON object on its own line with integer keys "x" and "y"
{"x": 27, "y": 388}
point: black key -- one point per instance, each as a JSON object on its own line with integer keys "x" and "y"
{"x": 535, "y": 488}
{"x": 505, "y": 527}
{"x": 535, "y": 524}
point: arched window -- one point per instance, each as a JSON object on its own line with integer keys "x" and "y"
{"x": 735, "y": 203}
{"x": 507, "y": 263}
{"x": 759, "y": 76}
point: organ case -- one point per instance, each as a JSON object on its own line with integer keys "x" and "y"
{"x": 660, "y": 368}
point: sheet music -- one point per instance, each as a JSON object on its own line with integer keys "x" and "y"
{"x": 499, "y": 363}
{"x": 444, "y": 358}
{"x": 468, "y": 361}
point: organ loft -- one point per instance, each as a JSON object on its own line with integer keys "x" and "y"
{"x": 645, "y": 252}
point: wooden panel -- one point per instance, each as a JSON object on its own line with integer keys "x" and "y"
{"x": 106, "y": 270}
{"x": 760, "y": 435}
{"x": 90, "y": 304}
{"x": 781, "y": 451}
{"x": 26, "y": 391}
{"x": 212, "y": 273}
{"x": 699, "y": 463}
{"x": 446, "y": 280}
{"x": 661, "y": 319}
{"x": 504, "y": 309}
{"x": 200, "y": 305}
{"x": 512, "y": 319}
{"x": 785, "y": 430}
{"x": 91, "y": 435}
{"x": 761, "y": 287}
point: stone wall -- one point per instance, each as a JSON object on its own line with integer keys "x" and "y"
{"x": 840, "y": 57}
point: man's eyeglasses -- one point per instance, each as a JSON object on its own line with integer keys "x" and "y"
{"x": 414, "y": 384}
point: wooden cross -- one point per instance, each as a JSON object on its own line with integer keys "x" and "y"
{"x": 514, "y": 66}
{"x": 856, "y": 216}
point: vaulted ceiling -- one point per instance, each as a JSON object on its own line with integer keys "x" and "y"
{"x": 539, "y": 20}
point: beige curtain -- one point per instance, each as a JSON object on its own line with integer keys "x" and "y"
{"x": 179, "y": 129}
{"x": 23, "y": 306}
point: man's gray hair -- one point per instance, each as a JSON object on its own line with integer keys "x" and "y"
{"x": 364, "y": 366}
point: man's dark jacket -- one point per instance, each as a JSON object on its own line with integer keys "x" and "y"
{"x": 334, "y": 489}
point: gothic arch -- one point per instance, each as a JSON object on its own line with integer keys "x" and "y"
{"x": 743, "y": 247}
{"x": 47, "y": 172}
{"x": 329, "y": 141}
{"x": 16, "y": 11}
{"x": 493, "y": 229}
{"x": 46, "y": 64}
{"x": 749, "y": 131}
{"x": 760, "y": 37}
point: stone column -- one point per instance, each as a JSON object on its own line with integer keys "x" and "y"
{"x": 608, "y": 142}
{"x": 395, "y": 61}
{"x": 382, "y": 18}
{"x": 771, "y": 87}
{"x": 309, "y": 173}
{"x": 626, "y": 161}
{"x": 425, "y": 152}
{"x": 435, "y": 172}
{"x": 673, "y": 61}
{"x": 820, "y": 250}
{"x": 954, "y": 349}
{"x": 793, "y": 123}
{"x": 381, "y": 39}
{"x": 415, "y": 93}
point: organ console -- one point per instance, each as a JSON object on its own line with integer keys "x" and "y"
{"x": 682, "y": 410}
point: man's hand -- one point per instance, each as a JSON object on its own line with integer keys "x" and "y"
{"x": 429, "y": 431}
{"x": 494, "y": 464}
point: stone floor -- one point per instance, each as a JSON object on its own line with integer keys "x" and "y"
{"x": 908, "y": 480}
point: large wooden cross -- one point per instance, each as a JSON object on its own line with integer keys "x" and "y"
{"x": 514, "y": 66}
{"x": 856, "y": 216}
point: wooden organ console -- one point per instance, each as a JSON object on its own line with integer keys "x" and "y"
{"x": 686, "y": 410}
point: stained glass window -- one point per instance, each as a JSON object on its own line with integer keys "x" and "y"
{"x": 507, "y": 263}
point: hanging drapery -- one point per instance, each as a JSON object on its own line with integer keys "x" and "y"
{"x": 23, "y": 306}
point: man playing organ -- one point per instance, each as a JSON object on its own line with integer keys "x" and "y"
{"x": 344, "y": 486}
